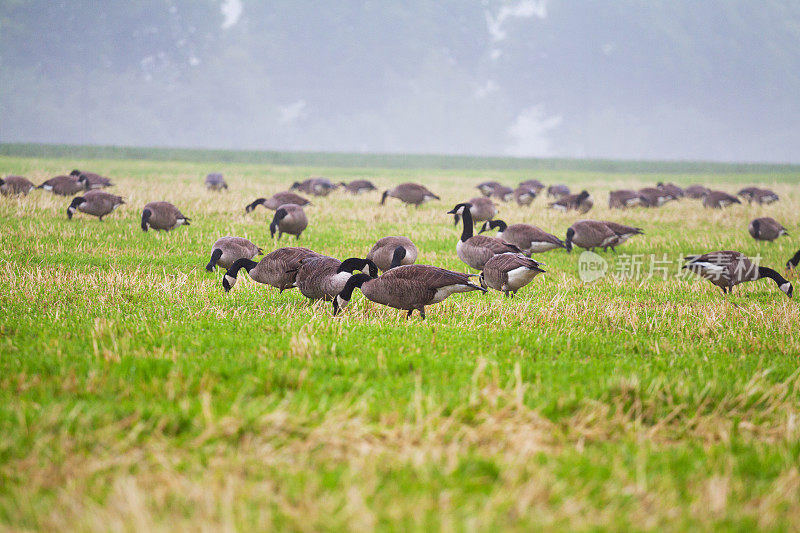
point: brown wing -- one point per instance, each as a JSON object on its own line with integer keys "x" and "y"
{"x": 430, "y": 276}
{"x": 495, "y": 245}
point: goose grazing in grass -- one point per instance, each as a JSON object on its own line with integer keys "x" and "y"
{"x": 696, "y": 191}
{"x": 487, "y": 187}
{"x": 95, "y": 181}
{"x": 409, "y": 193}
{"x": 765, "y": 196}
{"x": 277, "y": 269}
{"x": 482, "y": 209}
{"x": 791, "y": 264}
{"x": 590, "y": 234}
{"x": 322, "y": 277}
{"x": 393, "y": 251}
{"x": 581, "y": 202}
{"x": 162, "y": 216}
{"x": 509, "y": 272}
{"x": 622, "y": 232}
{"x": 625, "y": 198}
{"x": 407, "y": 287}
{"x": 530, "y": 239}
{"x": 358, "y": 186}
{"x": 671, "y": 189}
{"x": 277, "y": 200}
{"x": 66, "y": 185}
{"x": 215, "y": 182}
{"x": 654, "y": 197}
{"x": 15, "y": 185}
{"x": 316, "y": 185}
{"x": 289, "y": 218}
{"x": 727, "y": 268}
{"x": 227, "y": 250}
{"x": 557, "y": 191}
{"x": 766, "y": 229}
{"x": 536, "y": 185}
{"x": 524, "y": 195}
{"x": 719, "y": 199}
{"x": 503, "y": 193}
{"x": 475, "y": 250}
{"x": 97, "y": 203}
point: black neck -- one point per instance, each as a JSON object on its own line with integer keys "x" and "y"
{"x": 499, "y": 224}
{"x": 255, "y": 204}
{"x": 239, "y": 264}
{"x": 397, "y": 257}
{"x": 215, "y": 255}
{"x": 467, "y": 216}
{"x": 357, "y": 280}
{"x": 383, "y": 198}
{"x": 764, "y": 272}
{"x": 145, "y": 217}
{"x": 795, "y": 259}
{"x": 356, "y": 263}
{"x": 568, "y": 242}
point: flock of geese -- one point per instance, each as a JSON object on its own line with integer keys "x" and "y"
{"x": 504, "y": 261}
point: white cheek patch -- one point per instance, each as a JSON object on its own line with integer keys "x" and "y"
{"x": 341, "y": 302}
{"x": 231, "y": 280}
{"x": 785, "y": 287}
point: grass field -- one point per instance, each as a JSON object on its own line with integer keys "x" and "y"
{"x": 136, "y": 394}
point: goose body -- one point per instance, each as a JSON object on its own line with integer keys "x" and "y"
{"x": 503, "y": 193}
{"x": 696, "y": 191}
{"x": 410, "y": 193}
{"x": 277, "y": 200}
{"x": 581, "y": 202}
{"x": 482, "y": 209}
{"x": 536, "y": 185}
{"x": 96, "y": 203}
{"x": 95, "y": 181}
{"x": 727, "y": 268}
{"x": 407, "y": 287}
{"x": 322, "y": 277}
{"x": 557, "y": 191}
{"x": 654, "y": 197}
{"x": 509, "y": 272}
{"x": 215, "y": 182}
{"x": 66, "y": 185}
{"x": 228, "y": 250}
{"x": 487, "y": 187}
{"x": 358, "y": 186}
{"x": 530, "y": 239}
{"x": 719, "y": 199}
{"x": 671, "y": 189}
{"x": 15, "y": 185}
{"x": 590, "y": 234}
{"x": 765, "y": 196}
{"x": 384, "y": 251}
{"x": 524, "y": 195}
{"x": 622, "y": 232}
{"x": 289, "y": 218}
{"x": 163, "y": 216}
{"x": 475, "y": 250}
{"x": 317, "y": 186}
{"x": 625, "y": 198}
{"x": 277, "y": 269}
{"x": 766, "y": 229}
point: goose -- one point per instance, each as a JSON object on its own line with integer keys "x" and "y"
{"x": 317, "y": 186}
{"x": 487, "y": 187}
{"x": 410, "y": 193}
{"x": 727, "y": 268}
{"x": 766, "y": 229}
{"x": 696, "y": 191}
{"x": 277, "y": 269}
{"x": 162, "y": 216}
{"x": 719, "y": 199}
{"x": 791, "y": 264}
{"x": 671, "y": 189}
{"x": 501, "y": 192}
{"x": 322, "y": 277}
{"x": 529, "y": 239}
{"x": 15, "y": 185}
{"x": 748, "y": 193}
{"x": 96, "y": 181}
{"x": 386, "y": 250}
{"x": 66, "y": 185}
{"x": 524, "y": 195}
{"x": 509, "y": 272}
{"x": 277, "y": 200}
{"x": 624, "y": 198}
{"x": 590, "y": 234}
{"x": 557, "y": 191}
{"x": 94, "y": 202}
{"x": 215, "y": 182}
{"x": 476, "y": 250}
{"x": 358, "y": 186}
{"x": 765, "y": 196}
{"x": 536, "y": 185}
{"x": 581, "y": 202}
{"x": 622, "y": 232}
{"x": 654, "y": 197}
{"x": 482, "y": 209}
{"x": 407, "y": 287}
{"x": 289, "y": 218}
{"x": 228, "y": 250}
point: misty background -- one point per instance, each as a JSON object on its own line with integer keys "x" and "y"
{"x": 631, "y": 79}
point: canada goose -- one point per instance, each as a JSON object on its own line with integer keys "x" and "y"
{"x": 228, "y": 250}
{"x": 696, "y": 191}
{"x": 316, "y": 185}
{"x": 624, "y": 198}
{"x": 557, "y": 191}
{"x": 671, "y": 189}
{"x": 96, "y": 181}
{"x": 322, "y": 277}
{"x": 94, "y": 202}
{"x": 580, "y": 202}
{"x": 385, "y": 251}
{"x": 748, "y": 192}
{"x": 766, "y": 229}
{"x": 66, "y": 185}
{"x": 14, "y": 185}
{"x": 726, "y": 268}
{"x": 524, "y": 195}
{"x": 527, "y": 238}
{"x": 501, "y": 192}
{"x": 410, "y": 193}
{"x": 358, "y": 186}
{"x": 590, "y": 234}
{"x": 476, "y": 250}
{"x": 791, "y": 264}
{"x": 719, "y": 199}
{"x": 277, "y": 269}
{"x": 162, "y": 216}
{"x": 277, "y": 200}
{"x": 654, "y": 197}
{"x": 622, "y": 232}
{"x": 407, "y": 287}
{"x": 215, "y": 182}
{"x": 509, "y": 272}
{"x": 482, "y": 209}
{"x": 536, "y": 185}
{"x": 289, "y": 218}
{"x": 765, "y": 196}
{"x": 487, "y": 187}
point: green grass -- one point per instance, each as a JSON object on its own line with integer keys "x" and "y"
{"x": 136, "y": 394}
